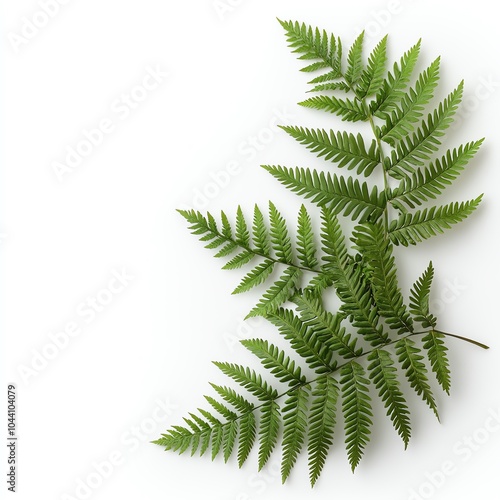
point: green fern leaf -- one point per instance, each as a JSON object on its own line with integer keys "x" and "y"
{"x": 204, "y": 434}
{"x": 248, "y": 379}
{"x": 436, "y": 351}
{"x": 306, "y": 246}
{"x": 401, "y": 121}
{"x": 326, "y": 358}
{"x": 410, "y": 229}
{"x": 346, "y": 150}
{"x": 239, "y": 260}
{"x": 260, "y": 233}
{"x": 176, "y": 439}
{"x": 217, "y": 437}
{"x": 415, "y": 149}
{"x": 294, "y": 429}
{"x": 276, "y": 361}
{"x": 319, "y": 283}
{"x": 383, "y": 375}
{"x": 348, "y": 109}
{"x": 424, "y": 185}
{"x": 355, "y": 61}
{"x": 327, "y": 326}
{"x": 393, "y": 87}
{"x": 321, "y": 87}
{"x": 268, "y": 431}
{"x": 242, "y": 234}
{"x": 321, "y": 424}
{"x": 304, "y": 341}
{"x": 313, "y": 44}
{"x": 255, "y": 277}
{"x": 419, "y": 299}
{"x": 233, "y": 398}
{"x": 278, "y": 294}
{"x": 356, "y": 407}
{"x": 415, "y": 370}
{"x": 326, "y": 78}
{"x": 347, "y": 197}
{"x": 372, "y": 78}
{"x": 377, "y": 254}
{"x": 220, "y": 408}
{"x": 350, "y": 284}
{"x": 280, "y": 240}
{"x": 230, "y": 431}
{"x": 246, "y": 437}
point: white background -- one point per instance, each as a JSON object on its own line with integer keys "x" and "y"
{"x": 103, "y": 396}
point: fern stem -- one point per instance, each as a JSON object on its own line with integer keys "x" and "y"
{"x": 362, "y": 355}
{"x": 465, "y": 339}
{"x": 272, "y": 259}
{"x": 380, "y": 149}
{"x": 382, "y": 163}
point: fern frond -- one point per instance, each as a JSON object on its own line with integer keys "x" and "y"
{"x": 346, "y": 150}
{"x": 246, "y": 439}
{"x": 427, "y": 184}
{"x": 419, "y": 299}
{"x": 221, "y": 408}
{"x": 401, "y": 121}
{"x": 327, "y": 78}
{"x": 319, "y": 283}
{"x": 260, "y": 233}
{"x": 276, "y": 361}
{"x": 322, "y": 422}
{"x": 415, "y": 149}
{"x": 355, "y": 61}
{"x": 436, "y": 351}
{"x": 242, "y": 234}
{"x": 304, "y": 340}
{"x": 278, "y": 294}
{"x": 347, "y": 197}
{"x": 356, "y": 407}
{"x": 350, "y": 284}
{"x": 372, "y": 78}
{"x": 248, "y": 379}
{"x": 233, "y": 398}
{"x": 268, "y": 431}
{"x": 383, "y": 375}
{"x": 239, "y": 260}
{"x": 411, "y": 358}
{"x": 280, "y": 240}
{"x": 306, "y": 246}
{"x": 294, "y": 429}
{"x": 230, "y": 431}
{"x": 334, "y": 356}
{"x": 238, "y": 243}
{"x": 321, "y": 87}
{"x": 205, "y": 434}
{"x": 217, "y": 436}
{"x": 314, "y": 45}
{"x": 376, "y": 250}
{"x": 327, "y": 326}
{"x": 410, "y": 229}
{"x": 255, "y": 277}
{"x": 348, "y": 109}
{"x": 393, "y": 87}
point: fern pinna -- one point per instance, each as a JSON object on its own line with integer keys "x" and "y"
{"x": 374, "y": 333}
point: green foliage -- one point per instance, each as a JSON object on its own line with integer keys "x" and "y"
{"x": 334, "y": 358}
